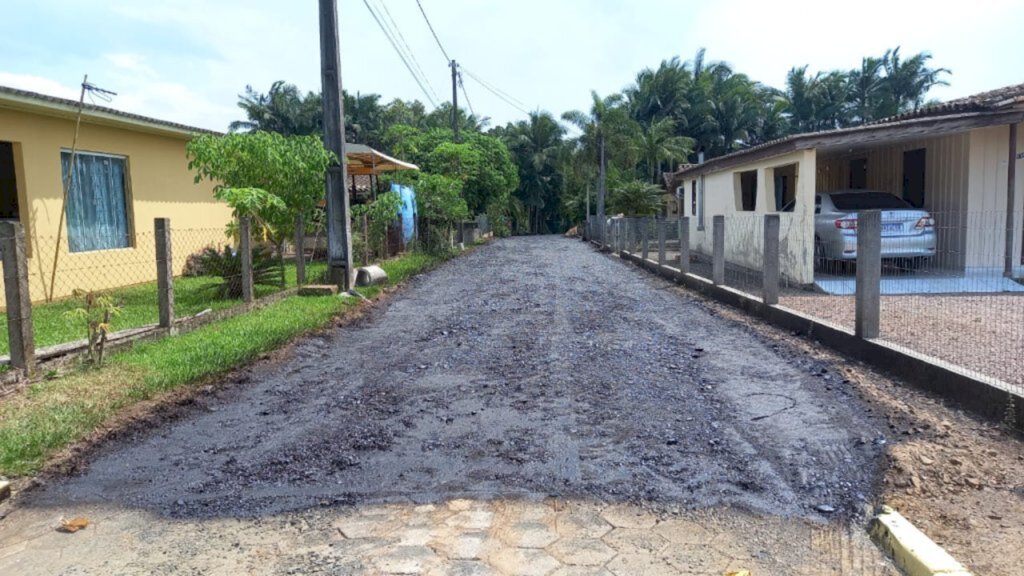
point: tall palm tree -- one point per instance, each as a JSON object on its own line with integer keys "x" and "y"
{"x": 909, "y": 81}
{"x": 657, "y": 142}
{"x": 536, "y": 144}
{"x": 283, "y": 109}
{"x": 867, "y": 90}
{"x": 606, "y": 123}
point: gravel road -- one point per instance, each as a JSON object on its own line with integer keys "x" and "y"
{"x": 532, "y": 367}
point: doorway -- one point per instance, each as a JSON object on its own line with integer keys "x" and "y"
{"x": 913, "y": 177}
{"x": 8, "y": 183}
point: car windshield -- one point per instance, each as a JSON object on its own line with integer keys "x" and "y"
{"x": 854, "y": 201}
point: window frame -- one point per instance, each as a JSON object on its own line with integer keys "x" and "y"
{"x": 129, "y": 199}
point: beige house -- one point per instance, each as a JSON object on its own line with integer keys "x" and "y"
{"x": 951, "y": 159}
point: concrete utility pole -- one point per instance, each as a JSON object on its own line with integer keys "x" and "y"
{"x": 339, "y": 227}
{"x": 455, "y": 100}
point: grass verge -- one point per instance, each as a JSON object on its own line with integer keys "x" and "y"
{"x": 52, "y": 414}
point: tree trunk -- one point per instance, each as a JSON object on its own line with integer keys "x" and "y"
{"x": 601, "y": 192}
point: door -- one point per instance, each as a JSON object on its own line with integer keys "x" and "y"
{"x": 913, "y": 177}
{"x": 8, "y": 183}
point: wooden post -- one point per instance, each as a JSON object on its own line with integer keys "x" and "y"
{"x": 300, "y": 250}
{"x": 718, "y": 249}
{"x": 684, "y": 245}
{"x": 770, "y": 266}
{"x": 662, "y": 237}
{"x": 245, "y": 247}
{"x": 164, "y": 272}
{"x": 869, "y": 274}
{"x": 20, "y": 336}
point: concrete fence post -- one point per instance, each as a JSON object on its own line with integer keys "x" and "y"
{"x": 164, "y": 272}
{"x": 770, "y": 265}
{"x": 21, "y": 338}
{"x": 684, "y": 244}
{"x": 300, "y": 249}
{"x": 718, "y": 249}
{"x": 869, "y": 274}
{"x": 245, "y": 248}
{"x": 623, "y": 232}
{"x": 661, "y": 241}
{"x": 645, "y": 243}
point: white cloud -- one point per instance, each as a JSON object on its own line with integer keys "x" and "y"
{"x": 38, "y": 84}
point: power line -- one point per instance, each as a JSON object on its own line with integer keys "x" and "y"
{"x": 497, "y": 92}
{"x": 429, "y": 25}
{"x": 466, "y": 95}
{"x": 399, "y": 52}
{"x": 412, "y": 55}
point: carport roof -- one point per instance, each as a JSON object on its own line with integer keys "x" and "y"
{"x": 1001, "y": 106}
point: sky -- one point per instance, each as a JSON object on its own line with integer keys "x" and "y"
{"x": 188, "y": 60}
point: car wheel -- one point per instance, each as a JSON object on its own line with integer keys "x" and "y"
{"x": 819, "y": 255}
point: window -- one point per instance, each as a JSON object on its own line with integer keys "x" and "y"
{"x": 746, "y": 190}
{"x": 8, "y": 183}
{"x": 700, "y": 204}
{"x": 857, "y": 201}
{"x": 693, "y": 198}
{"x": 913, "y": 177}
{"x": 859, "y": 174}
{"x": 784, "y": 182}
{"x": 97, "y": 207}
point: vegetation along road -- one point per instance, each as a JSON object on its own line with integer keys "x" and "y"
{"x": 531, "y": 405}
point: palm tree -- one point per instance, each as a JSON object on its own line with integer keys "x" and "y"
{"x": 908, "y": 81}
{"x": 283, "y": 109}
{"x": 867, "y": 90}
{"x": 606, "y": 122}
{"x": 657, "y": 142}
{"x": 637, "y": 198}
{"x": 535, "y": 144}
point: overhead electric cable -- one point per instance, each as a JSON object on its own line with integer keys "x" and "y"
{"x": 412, "y": 55}
{"x": 504, "y": 97}
{"x": 429, "y": 25}
{"x": 400, "y": 54}
{"x": 466, "y": 95}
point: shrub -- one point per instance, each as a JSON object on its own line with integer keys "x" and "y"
{"x": 227, "y": 264}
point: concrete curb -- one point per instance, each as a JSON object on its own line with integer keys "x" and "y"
{"x": 910, "y": 549}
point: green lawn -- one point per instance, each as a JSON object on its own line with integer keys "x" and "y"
{"x": 51, "y": 414}
{"x": 139, "y": 307}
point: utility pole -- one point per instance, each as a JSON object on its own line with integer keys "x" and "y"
{"x": 455, "y": 100}
{"x": 339, "y": 227}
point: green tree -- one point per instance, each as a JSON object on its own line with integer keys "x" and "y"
{"x": 636, "y": 198}
{"x": 283, "y": 110}
{"x": 657, "y": 142}
{"x": 535, "y": 144}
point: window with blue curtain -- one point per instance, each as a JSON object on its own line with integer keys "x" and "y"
{"x": 97, "y": 210}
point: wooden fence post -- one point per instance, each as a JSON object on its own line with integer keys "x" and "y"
{"x": 164, "y": 272}
{"x": 245, "y": 247}
{"x": 21, "y": 339}
{"x": 300, "y": 250}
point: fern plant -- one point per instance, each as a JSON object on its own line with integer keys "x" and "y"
{"x": 227, "y": 264}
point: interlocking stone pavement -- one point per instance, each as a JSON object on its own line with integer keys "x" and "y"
{"x": 460, "y": 537}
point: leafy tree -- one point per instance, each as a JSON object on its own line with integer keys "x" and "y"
{"x": 536, "y": 144}
{"x": 636, "y": 198}
{"x": 657, "y": 142}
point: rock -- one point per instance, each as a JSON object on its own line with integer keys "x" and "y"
{"x": 825, "y": 508}
{"x": 973, "y": 482}
{"x": 926, "y": 460}
{"x": 956, "y": 462}
{"x": 5, "y": 490}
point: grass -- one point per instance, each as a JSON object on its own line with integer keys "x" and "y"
{"x": 51, "y": 414}
{"x": 138, "y": 307}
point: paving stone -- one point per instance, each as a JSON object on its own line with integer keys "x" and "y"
{"x": 366, "y": 526}
{"x": 414, "y": 536}
{"x": 581, "y": 552}
{"x": 678, "y": 531}
{"x": 528, "y": 535}
{"x": 406, "y": 560}
{"x": 523, "y": 562}
{"x": 464, "y": 546}
{"x": 624, "y": 516}
{"x": 471, "y": 519}
{"x": 460, "y": 505}
{"x": 464, "y": 568}
{"x": 633, "y": 565}
{"x": 635, "y": 541}
{"x": 581, "y": 571}
{"x": 582, "y": 523}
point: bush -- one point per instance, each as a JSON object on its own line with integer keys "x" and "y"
{"x": 227, "y": 264}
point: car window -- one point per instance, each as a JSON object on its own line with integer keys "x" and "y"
{"x": 853, "y": 201}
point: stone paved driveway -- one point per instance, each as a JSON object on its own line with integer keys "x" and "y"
{"x": 458, "y": 537}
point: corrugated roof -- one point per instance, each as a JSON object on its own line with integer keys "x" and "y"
{"x": 20, "y": 99}
{"x": 983, "y": 103}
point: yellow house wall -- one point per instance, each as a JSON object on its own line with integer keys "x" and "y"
{"x": 159, "y": 186}
{"x": 744, "y": 231}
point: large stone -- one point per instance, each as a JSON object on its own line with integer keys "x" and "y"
{"x": 581, "y": 552}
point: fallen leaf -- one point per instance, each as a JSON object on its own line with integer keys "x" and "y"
{"x": 74, "y": 525}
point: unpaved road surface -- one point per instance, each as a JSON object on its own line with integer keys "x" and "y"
{"x": 532, "y": 370}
